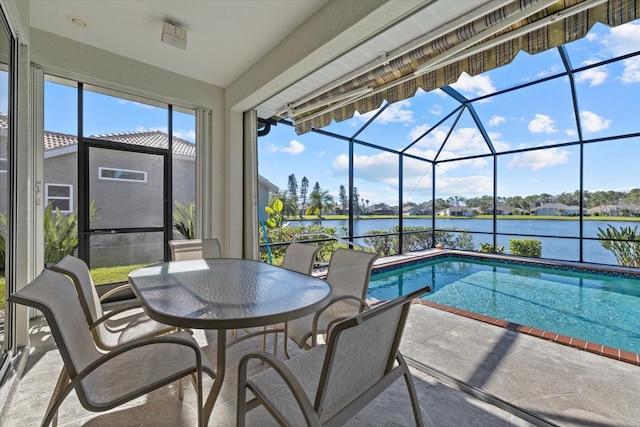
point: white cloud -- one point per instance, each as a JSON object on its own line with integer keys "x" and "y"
{"x": 591, "y": 37}
{"x": 542, "y": 124}
{"x": 136, "y": 104}
{"x": 594, "y": 76}
{"x": 462, "y": 142}
{"x": 536, "y": 160}
{"x": 294, "y": 148}
{"x": 381, "y": 167}
{"x": 553, "y": 70}
{"x": 571, "y": 132}
{"x": 496, "y": 121}
{"x": 631, "y": 73}
{"x": 397, "y": 112}
{"x": 591, "y": 122}
{"x": 477, "y": 85}
{"x": 418, "y": 131}
{"x": 621, "y": 40}
{"x": 436, "y": 109}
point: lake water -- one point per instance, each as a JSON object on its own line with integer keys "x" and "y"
{"x": 553, "y": 248}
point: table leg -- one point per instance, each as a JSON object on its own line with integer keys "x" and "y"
{"x": 221, "y": 360}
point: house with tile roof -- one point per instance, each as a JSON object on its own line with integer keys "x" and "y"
{"x": 109, "y": 168}
{"x": 113, "y": 173}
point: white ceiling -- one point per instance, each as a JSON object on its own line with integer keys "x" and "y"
{"x": 225, "y": 37}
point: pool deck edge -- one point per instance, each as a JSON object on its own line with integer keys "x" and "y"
{"x": 602, "y": 350}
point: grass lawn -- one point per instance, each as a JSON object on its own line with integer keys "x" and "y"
{"x": 115, "y": 274}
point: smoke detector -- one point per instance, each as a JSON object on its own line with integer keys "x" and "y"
{"x": 174, "y": 35}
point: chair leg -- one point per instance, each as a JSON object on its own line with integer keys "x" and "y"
{"x": 286, "y": 341}
{"x": 275, "y": 343}
{"x": 241, "y": 405}
{"x": 413, "y": 395}
{"x": 63, "y": 379}
{"x": 180, "y": 389}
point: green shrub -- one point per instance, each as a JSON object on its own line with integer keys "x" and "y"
{"x": 285, "y": 234}
{"x": 61, "y": 232}
{"x": 488, "y": 248}
{"x": 623, "y": 242}
{"x": 531, "y": 248}
{"x": 184, "y": 217}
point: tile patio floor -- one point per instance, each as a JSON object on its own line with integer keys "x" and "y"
{"x": 533, "y": 380}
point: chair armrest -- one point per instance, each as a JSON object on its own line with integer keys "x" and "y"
{"x": 287, "y": 376}
{"x": 316, "y": 317}
{"x": 111, "y": 313}
{"x": 176, "y": 338}
{"x": 115, "y": 291}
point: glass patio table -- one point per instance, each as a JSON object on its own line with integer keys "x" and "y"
{"x": 225, "y": 294}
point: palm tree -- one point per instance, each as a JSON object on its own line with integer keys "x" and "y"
{"x": 319, "y": 200}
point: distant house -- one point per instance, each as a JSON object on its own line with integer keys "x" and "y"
{"x": 411, "y": 210}
{"x": 558, "y": 209}
{"x": 382, "y": 209}
{"x": 458, "y": 211}
{"x": 503, "y": 210}
{"x": 622, "y": 209}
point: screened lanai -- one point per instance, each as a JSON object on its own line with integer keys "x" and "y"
{"x": 543, "y": 149}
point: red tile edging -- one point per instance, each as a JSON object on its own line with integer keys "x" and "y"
{"x": 602, "y": 350}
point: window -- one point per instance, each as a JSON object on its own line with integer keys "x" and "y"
{"x": 122, "y": 175}
{"x": 60, "y": 196}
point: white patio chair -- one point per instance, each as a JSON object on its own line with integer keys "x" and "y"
{"x": 300, "y": 257}
{"x": 348, "y": 275}
{"x": 331, "y": 383}
{"x": 115, "y": 327}
{"x": 182, "y": 250}
{"x": 101, "y": 380}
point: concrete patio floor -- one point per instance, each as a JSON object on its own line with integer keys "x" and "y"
{"x": 510, "y": 379}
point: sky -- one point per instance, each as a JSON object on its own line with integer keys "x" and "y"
{"x": 540, "y": 115}
{"x": 106, "y": 113}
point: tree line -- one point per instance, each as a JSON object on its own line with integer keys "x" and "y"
{"x": 298, "y": 200}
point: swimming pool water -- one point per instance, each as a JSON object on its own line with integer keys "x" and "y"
{"x": 598, "y": 308}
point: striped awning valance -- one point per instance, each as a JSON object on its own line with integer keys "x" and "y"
{"x": 474, "y": 48}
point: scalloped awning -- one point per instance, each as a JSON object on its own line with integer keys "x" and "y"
{"x": 481, "y": 45}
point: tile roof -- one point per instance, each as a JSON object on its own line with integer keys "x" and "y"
{"x": 156, "y": 139}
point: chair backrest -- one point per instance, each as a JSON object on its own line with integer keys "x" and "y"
{"x": 79, "y": 273}
{"x": 360, "y": 352}
{"x": 55, "y": 296}
{"x": 300, "y": 257}
{"x": 182, "y": 250}
{"x": 349, "y": 274}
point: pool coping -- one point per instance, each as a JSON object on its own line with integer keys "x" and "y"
{"x": 580, "y": 344}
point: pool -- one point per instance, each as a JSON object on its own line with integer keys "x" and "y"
{"x": 598, "y": 307}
